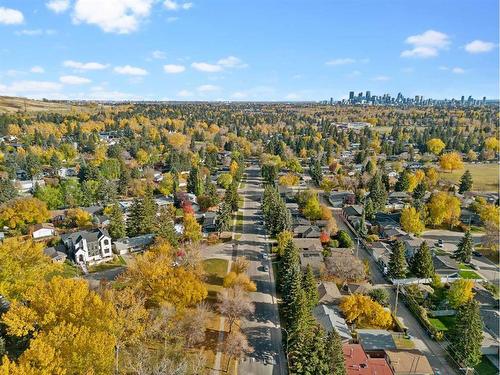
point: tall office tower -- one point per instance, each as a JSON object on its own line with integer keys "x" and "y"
{"x": 462, "y": 99}
{"x": 368, "y": 95}
{"x": 351, "y": 95}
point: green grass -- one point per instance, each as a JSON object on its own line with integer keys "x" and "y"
{"x": 464, "y": 266}
{"x": 485, "y": 367}
{"x": 69, "y": 270}
{"x": 442, "y": 323}
{"x": 116, "y": 262}
{"x": 215, "y": 270}
{"x": 467, "y": 274}
{"x": 485, "y": 176}
{"x": 403, "y": 343}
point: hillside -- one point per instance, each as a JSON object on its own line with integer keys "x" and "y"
{"x": 15, "y": 104}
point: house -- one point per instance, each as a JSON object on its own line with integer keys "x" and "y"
{"x": 411, "y": 245}
{"x": 43, "y": 230}
{"x": 408, "y": 362}
{"x": 314, "y": 259}
{"x": 132, "y": 244}
{"x": 330, "y": 319}
{"x": 56, "y": 254}
{"x": 308, "y": 244}
{"x": 209, "y": 222}
{"x": 352, "y": 212}
{"x": 339, "y": 198}
{"x": 89, "y": 246}
{"x": 376, "y": 341}
{"x": 381, "y": 252}
{"x": 491, "y": 320}
{"x": 298, "y": 220}
{"x": 357, "y": 362}
{"x": 358, "y": 288}
{"x": 329, "y": 293}
{"x": 306, "y": 231}
{"x": 445, "y": 266}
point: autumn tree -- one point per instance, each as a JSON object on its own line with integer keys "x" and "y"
{"x": 345, "y": 268}
{"x": 365, "y": 312}
{"x": 192, "y": 229}
{"x": 445, "y": 208}
{"x": 234, "y": 303}
{"x": 20, "y": 212}
{"x": 460, "y": 292}
{"x": 435, "y": 145}
{"x": 411, "y": 221}
{"x": 451, "y": 161}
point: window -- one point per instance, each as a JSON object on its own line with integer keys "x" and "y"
{"x": 106, "y": 242}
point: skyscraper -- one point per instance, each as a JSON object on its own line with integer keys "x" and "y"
{"x": 351, "y": 95}
{"x": 368, "y": 95}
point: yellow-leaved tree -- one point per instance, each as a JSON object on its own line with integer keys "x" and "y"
{"x": 411, "y": 221}
{"x": 365, "y": 312}
{"x": 20, "y": 212}
{"x": 460, "y": 292}
{"x": 444, "y": 208}
{"x": 451, "y": 161}
{"x": 435, "y": 145}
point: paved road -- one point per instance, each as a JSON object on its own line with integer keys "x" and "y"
{"x": 434, "y": 352}
{"x": 263, "y": 328}
{"x": 486, "y": 268}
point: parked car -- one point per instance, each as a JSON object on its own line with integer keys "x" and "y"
{"x": 440, "y": 243}
{"x": 265, "y": 256}
{"x": 266, "y": 268}
{"x": 269, "y": 360}
{"x": 477, "y": 254}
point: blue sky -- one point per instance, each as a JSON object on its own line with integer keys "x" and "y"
{"x": 247, "y": 50}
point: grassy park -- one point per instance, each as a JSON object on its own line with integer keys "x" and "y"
{"x": 485, "y": 176}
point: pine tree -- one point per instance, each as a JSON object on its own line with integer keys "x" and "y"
{"x": 466, "y": 336}
{"x": 317, "y": 354}
{"x": 403, "y": 182}
{"x": 117, "y": 227}
{"x": 378, "y": 194}
{"x": 224, "y": 215}
{"x": 369, "y": 209}
{"x": 290, "y": 277}
{"x": 362, "y": 229}
{"x": 194, "y": 184}
{"x": 397, "y": 261}
{"x": 335, "y": 353}
{"x": 465, "y": 182}
{"x": 149, "y": 210}
{"x": 309, "y": 285}
{"x": 421, "y": 262}
{"x": 165, "y": 227}
{"x": 419, "y": 192}
{"x": 134, "y": 218}
{"x": 463, "y": 252}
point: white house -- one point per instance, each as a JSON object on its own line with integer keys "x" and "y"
{"x": 89, "y": 246}
{"x": 43, "y": 231}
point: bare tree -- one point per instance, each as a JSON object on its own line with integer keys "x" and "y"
{"x": 194, "y": 324}
{"x": 235, "y": 345}
{"x": 234, "y": 303}
{"x": 240, "y": 265}
{"x": 345, "y": 267}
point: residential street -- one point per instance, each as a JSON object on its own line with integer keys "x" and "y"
{"x": 434, "y": 352}
{"x": 263, "y": 328}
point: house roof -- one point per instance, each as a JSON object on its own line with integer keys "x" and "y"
{"x": 358, "y": 363}
{"x": 312, "y": 258}
{"x": 43, "y": 226}
{"x": 89, "y": 235}
{"x": 406, "y": 362}
{"x": 308, "y": 244}
{"x": 328, "y": 292}
{"x": 56, "y": 252}
{"x": 307, "y": 231}
{"x": 355, "y": 210}
{"x": 444, "y": 264}
{"x": 376, "y": 339}
{"x": 330, "y": 319}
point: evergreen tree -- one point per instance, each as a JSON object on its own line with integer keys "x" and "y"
{"x": 419, "y": 192}
{"x": 378, "y": 193}
{"x": 466, "y": 335}
{"x": 142, "y": 216}
{"x": 290, "y": 278}
{"x": 194, "y": 183}
{"x": 463, "y": 252}
{"x": 362, "y": 229}
{"x": 134, "y": 218}
{"x": 124, "y": 181}
{"x": 117, "y": 227}
{"x": 224, "y": 215}
{"x": 403, "y": 182}
{"x": 7, "y": 190}
{"x": 465, "y": 182}
{"x": 397, "y": 261}
{"x": 309, "y": 285}
{"x": 369, "y": 209}
{"x": 165, "y": 227}
{"x": 317, "y": 361}
{"x": 315, "y": 171}
{"x": 335, "y": 353}
{"x": 421, "y": 264}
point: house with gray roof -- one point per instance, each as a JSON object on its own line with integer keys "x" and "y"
{"x": 133, "y": 244}
{"x": 330, "y": 319}
{"x": 88, "y": 246}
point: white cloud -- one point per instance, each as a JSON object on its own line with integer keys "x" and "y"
{"x": 35, "y": 32}
{"x": 381, "y": 78}
{"x": 427, "y": 44}
{"x": 113, "y": 16}
{"x": 207, "y": 88}
{"x": 37, "y": 69}
{"x": 479, "y": 46}
{"x": 58, "y": 6}
{"x": 206, "y": 67}
{"x": 292, "y": 96}
{"x": 74, "y": 80}
{"x": 184, "y": 93}
{"x": 10, "y": 16}
{"x": 27, "y": 87}
{"x": 130, "y": 70}
{"x": 343, "y": 61}
{"x": 231, "y": 62}
{"x": 159, "y": 55}
{"x": 174, "y": 5}
{"x": 84, "y": 66}
{"x": 173, "y": 69}
{"x": 458, "y": 70}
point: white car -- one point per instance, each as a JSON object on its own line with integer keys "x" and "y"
{"x": 265, "y": 256}
{"x": 266, "y": 268}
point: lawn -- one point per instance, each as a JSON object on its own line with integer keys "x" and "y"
{"x": 468, "y": 274}
{"x": 442, "y": 323}
{"x": 485, "y": 176}
{"x": 403, "y": 343}
{"x": 215, "y": 270}
{"x": 117, "y": 261}
{"x": 486, "y": 367}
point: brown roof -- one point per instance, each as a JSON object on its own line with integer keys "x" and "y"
{"x": 405, "y": 362}
{"x": 358, "y": 363}
{"x": 43, "y": 226}
{"x": 328, "y": 292}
